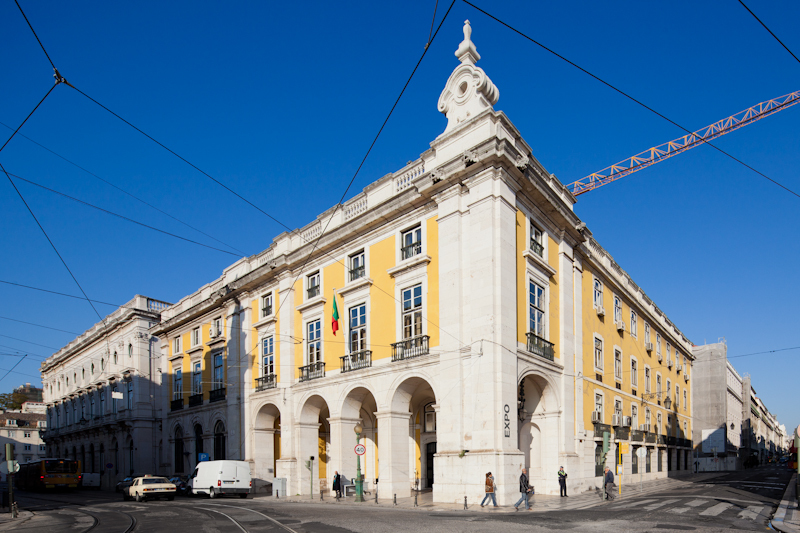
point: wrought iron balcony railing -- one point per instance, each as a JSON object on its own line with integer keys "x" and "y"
{"x": 357, "y": 272}
{"x": 312, "y": 371}
{"x": 266, "y": 311}
{"x": 266, "y": 382}
{"x": 176, "y": 405}
{"x": 356, "y": 360}
{"x": 195, "y": 400}
{"x": 408, "y": 348}
{"x": 313, "y": 291}
{"x": 216, "y": 395}
{"x": 411, "y": 250}
{"x": 541, "y": 347}
{"x": 537, "y": 248}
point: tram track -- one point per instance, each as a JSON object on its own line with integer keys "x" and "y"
{"x": 78, "y": 508}
{"x": 239, "y": 524}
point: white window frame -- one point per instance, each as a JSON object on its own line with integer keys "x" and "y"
{"x": 669, "y": 352}
{"x": 634, "y": 323}
{"x": 359, "y": 328}
{"x": 648, "y": 375}
{"x": 658, "y": 385}
{"x": 535, "y": 233}
{"x": 197, "y": 378}
{"x": 601, "y": 404}
{"x": 659, "y": 421}
{"x": 634, "y": 372}
{"x": 177, "y": 385}
{"x": 685, "y": 398}
{"x": 647, "y": 418}
{"x": 602, "y": 352}
{"x": 618, "y": 406}
{"x": 634, "y": 416}
{"x": 597, "y": 293}
{"x": 538, "y": 311}
{"x": 196, "y": 337}
{"x": 266, "y": 304}
{"x": 617, "y": 309}
{"x": 356, "y": 260}
{"x": 314, "y": 347}
{"x": 412, "y": 231}
{"x": 216, "y": 326}
{"x": 658, "y": 343}
{"x": 177, "y": 347}
{"x": 414, "y": 310}
{"x": 669, "y": 389}
{"x": 267, "y": 356}
{"x": 646, "y": 332}
{"x": 315, "y": 276}
{"x": 617, "y": 363}
{"x": 218, "y": 370}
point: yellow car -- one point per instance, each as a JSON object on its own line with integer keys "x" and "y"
{"x": 149, "y": 488}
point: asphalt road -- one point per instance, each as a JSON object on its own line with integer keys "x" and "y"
{"x": 742, "y": 501}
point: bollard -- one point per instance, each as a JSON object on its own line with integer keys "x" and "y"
{"x": 415, "y": 499}
{"x": 395, "y": 499}
{"x": 320, "y": 495}
{"x": 277, "y": 494}
{"x": 465, "y": 503}
{"x": 376, "y": 495}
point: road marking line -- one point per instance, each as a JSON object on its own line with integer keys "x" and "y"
{"x": 679, "y": 510}
{"x": 715, "y": 510}
{"x": 752, "y": 512}
{"x": 660, "y": 504}
{"x": 631, "y": 504}
{"x": 696, "y": 503}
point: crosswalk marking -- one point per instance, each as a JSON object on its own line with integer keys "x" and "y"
{"x": 751, "y": 512}
{"x": 715, "y": 510}
{"x": 631, "y": 504}
{"x": 660, "y": 504}
{"x": 696, "y": 503}
{"x": 679, "y": 510}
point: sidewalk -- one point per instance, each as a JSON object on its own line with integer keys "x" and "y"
{"x": 787, "y": 517}
{"x": 539, "y": 502}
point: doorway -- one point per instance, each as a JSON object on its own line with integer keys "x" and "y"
{"x": 430, "y": 450}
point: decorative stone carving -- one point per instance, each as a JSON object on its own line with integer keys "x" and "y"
{"x": 522, "y": 162}
{"x": 469, "y": 90}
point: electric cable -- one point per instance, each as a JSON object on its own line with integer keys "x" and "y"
{"x": 55, "y": 292}
{"x": 126, "y": 192}
{"x": 34, "y": 34}
{"x": 26, "y": 118}
{"x": 626, "y": 95}
{"x": 769, "y": 30}
{"x": 121, "y": 216}
{"x": 30, "y": 342}
{"x": 38, "y": 325}
{"x": 12, "y": 368}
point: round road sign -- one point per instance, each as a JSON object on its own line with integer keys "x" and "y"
{"x": 641, "y": 452}
{"x": 110, "y": 466}
{"x": 361, "y": 449}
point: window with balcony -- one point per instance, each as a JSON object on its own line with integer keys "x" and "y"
{"x": 359, "y": 356}
{"x": 598, "y": 354}
{"x": 618, "y": 408}
{"x": 267, "y": 356}
{"x": 598, "y": 293}
{"x": 536, "y": 313}
{"x": 633, "y": 323}
{"x": 358, "y": 268}
{"x": 216, "y": 327}
{"x": 196, "y": 337}
{"x": 197, "y": 379}
{"x": 646, "y": 332}
{"x": 411, "y": 243}
{"x": 414, "y": 342}
{"x": 177, "y": 385}
{"x": 219, "y": 372}
{"x": 658, "y": 343}
{"x": 537, "y": 241}
{"x": 634, "y": 373}
{"x": 314, "y": 342}
{"x": 634, "y": 417}
{"x": 266, "y": 305}
{"x": 617, "y": 310}
{"x": 647, "y": 379}
{"x": 598, "y": 406}
{"x": 313, "y": 284}
{"x": 618, "y": 365}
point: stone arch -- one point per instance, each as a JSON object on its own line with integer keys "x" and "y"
{"x": 313, "y": 440}
{"x": 220, "y": 441}
{"x": 539, "y": 414}
{"x": 268, "y": 444}
{"x": 357, "y": 406}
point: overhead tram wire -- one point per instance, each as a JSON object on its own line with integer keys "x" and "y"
{"x": 38, "y": 325}
{"x": 122, "y": 216}
{"x": 126, "y": 192}
{"x": 56, "y": 293}
{"x": 626, "y": 95}
{"x": 34, "y": 34}
{"x": 769, "y": 30}
{"x": 29, "y": 342}
{"x": 12, "y": 368}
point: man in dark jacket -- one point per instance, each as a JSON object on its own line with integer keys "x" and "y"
{"x": 525, "y": 489}
{"x": 608, "y": 484}
{"x": 562, "y": 480}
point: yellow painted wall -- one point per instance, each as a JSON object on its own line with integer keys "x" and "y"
{"x": 333, "y": 346}
{"x": 276, "y": 441}
{"x": 381, "y": 296}
{"x": 255, "y": 352}
{"x": 417, "y": 448}
{"x": 323, "y": 457}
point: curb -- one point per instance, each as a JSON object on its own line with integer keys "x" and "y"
{"x": 789, "y": 500}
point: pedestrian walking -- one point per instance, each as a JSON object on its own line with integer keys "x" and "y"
{"x": 562, "y": 480}
{"x": 337, "y": 484}
{"x": 525, "y": 489}
{"x": 490, "y": 488}
{"x": 608, "y": 484}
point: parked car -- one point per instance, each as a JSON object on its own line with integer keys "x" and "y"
{"x": 124, "y": 484}
{"x": 217, "y": 478}
{"x": 181, "y": 484}
{"x": 89, "y": 479}
{"x": 149, "y": 488}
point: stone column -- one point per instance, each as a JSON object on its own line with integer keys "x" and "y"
{"x": 263, "y": 455}
{"x": 343, "y": 442}
{"x": 394, "y": 458}
{"x": 307, "y": 438}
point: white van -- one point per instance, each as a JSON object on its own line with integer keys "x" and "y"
{"x": 89, "y": 479}
{"x": 217, "y": 478}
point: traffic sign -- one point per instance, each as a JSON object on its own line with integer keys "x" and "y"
{"x": 624, "y": 447}
{"x": 4, "y": 466}
{"x": 361, "y": 449}
{"x": 202, "y": 457}
{"x": 619, "y": 470}
{"x": 641, "y": 452}
{"x": 110, "y": 466}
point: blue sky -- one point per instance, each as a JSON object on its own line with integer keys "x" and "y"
{"x": 280, "y": 101}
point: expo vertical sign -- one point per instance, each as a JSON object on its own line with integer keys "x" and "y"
{"x": 506, "y": 421}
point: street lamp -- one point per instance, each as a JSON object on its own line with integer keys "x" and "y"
{"x": 359, "y": 481}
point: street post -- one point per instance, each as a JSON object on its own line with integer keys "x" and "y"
{"x": 359, "y": 482}
{"x": 310, "y": 466}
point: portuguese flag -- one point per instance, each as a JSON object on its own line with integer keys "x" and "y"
{"x": 335, "y": 319}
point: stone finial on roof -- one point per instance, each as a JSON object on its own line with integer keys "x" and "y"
{"x": 468, "y": 91}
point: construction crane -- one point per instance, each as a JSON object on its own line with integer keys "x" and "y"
{"x": 664, "y": 151}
